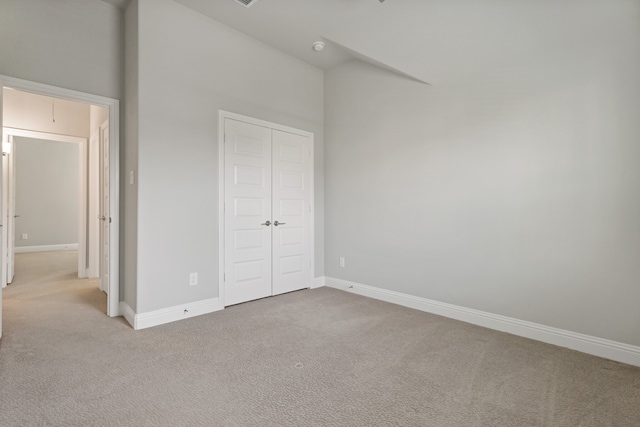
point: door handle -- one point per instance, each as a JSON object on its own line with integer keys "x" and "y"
{"x": 16, "y": 216}
{"x": 279, "y": 223}
{"x": 101, "y": 217}
{"x": 268, "y": 223}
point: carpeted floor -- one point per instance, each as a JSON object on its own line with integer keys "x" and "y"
{"x": 311, "y": 358}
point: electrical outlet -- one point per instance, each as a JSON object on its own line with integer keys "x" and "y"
{"x": 342, "y": 261}
{"x": 25, "y": 236}
{"x": 193, "y": 279}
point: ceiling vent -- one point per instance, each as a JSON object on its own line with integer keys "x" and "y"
{"x": 246, "y": 3}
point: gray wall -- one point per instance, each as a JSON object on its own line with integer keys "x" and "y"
{"x": 516, "y": 193}
{"x": 189, "y": 67}
{"x": 129, "y": 194}
{"x": 46, "y": 192}
{"x": 75, "y": 44}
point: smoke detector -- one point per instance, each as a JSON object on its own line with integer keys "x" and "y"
{"x": 246, "y": 3}
{"x": 318, "y": 46}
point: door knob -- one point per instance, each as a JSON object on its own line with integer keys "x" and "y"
{"x": 268, "y": 223}
{"x": 279, "y": 223}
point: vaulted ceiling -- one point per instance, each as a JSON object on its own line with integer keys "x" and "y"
{"x": 430, "y": 40}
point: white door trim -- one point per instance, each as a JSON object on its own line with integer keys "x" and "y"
{"x": 82, "y": 185}
{"x": 222, "y": 115}
{"x": 113, "y": 106}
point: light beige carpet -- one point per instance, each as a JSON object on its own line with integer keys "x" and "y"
{"x": 310, "y": 358}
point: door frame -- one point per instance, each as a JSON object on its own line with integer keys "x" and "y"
{"x": 222, "y": 115}
{"x": 113, "y": 106}
{"x": 82, "y": 185}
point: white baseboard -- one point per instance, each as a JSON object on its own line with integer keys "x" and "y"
{"x": 608, "y": 349}
{"x": 128, "y": 313}
{"x": 318, "y": 282}
{"x": 46, "y": 248}
{"x": 169, "y": 314}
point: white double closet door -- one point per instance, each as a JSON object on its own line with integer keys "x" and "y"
{"x": 268, "y": 225}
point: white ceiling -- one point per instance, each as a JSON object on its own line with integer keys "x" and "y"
{"x": 431, "y": 40}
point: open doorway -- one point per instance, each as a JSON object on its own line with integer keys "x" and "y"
{"x": 97, "y": 201}
{"x": 46, "y": 197}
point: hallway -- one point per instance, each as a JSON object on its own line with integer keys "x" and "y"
{"x": 49, "y": 281}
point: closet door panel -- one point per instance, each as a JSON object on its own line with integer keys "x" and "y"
{"x": 291, "y": 212}
{"x": 248, "y": 195}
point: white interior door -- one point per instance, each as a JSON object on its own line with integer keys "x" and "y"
{"x": 94, "y": 205}
{"x": 2, "y": 272}
{"x": 5, "y": 218}
{"x": 247, "y": 212}
{"x": 291, "y": 212}
{"x": 11, "y": 231}
{"x": 104, "y": 216}
{"x": 268, "y": 227}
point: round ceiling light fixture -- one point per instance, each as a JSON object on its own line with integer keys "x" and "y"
{"x": 318, "y": 46}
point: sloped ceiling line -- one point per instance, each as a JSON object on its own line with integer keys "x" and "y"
{"x": 362, "y": 57}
